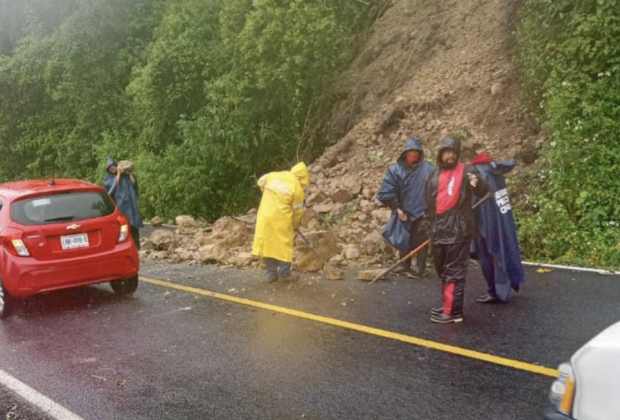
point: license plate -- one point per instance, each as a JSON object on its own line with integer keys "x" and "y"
{"x": 74, "y": 241}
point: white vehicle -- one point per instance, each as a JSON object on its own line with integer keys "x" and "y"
{"x": 588, "y": 388}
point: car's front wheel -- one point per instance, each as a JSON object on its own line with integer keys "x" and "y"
{"x": 125, "y": 287}
{"x": 6, "y": 302}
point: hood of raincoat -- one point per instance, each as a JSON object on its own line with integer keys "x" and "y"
{"x": 448, "y": 143}
{"x": 412, "y": 144}
{"x": 301, "y": 173}
{"x": 110, "y": 162}
{"x": 502, "y": 167}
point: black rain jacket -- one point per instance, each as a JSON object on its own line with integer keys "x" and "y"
{"x": 458, "y": 224}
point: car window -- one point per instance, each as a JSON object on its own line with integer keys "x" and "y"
{"x": 58, "y": 208}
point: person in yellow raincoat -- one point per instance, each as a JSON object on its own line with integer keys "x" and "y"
{"x": 279, "y": 216}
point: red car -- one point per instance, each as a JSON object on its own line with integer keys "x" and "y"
{"x": 62, "y": 233}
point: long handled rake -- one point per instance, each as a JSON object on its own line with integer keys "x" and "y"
{"x": 421, "y": 246}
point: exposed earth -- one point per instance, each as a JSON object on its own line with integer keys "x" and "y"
{"x": 428, "y": 69}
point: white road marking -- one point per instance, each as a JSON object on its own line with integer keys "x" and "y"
{"x": 568, "y": 267}
{"x": 37, "y": 399}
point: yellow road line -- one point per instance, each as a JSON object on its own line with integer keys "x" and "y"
{"x": 472, "y": 354}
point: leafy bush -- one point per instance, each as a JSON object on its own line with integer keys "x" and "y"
{"x": 570, "y": 60}
{"x": 232, "y": 82}
{"x": 201, "y": 94}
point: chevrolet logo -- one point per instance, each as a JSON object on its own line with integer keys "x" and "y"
{"x": 73, "y": 227}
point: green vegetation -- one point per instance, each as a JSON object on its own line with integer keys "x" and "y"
{"x": 200, "y": 94}
{"x": 205, "y": 94}
{"x": 570, "y": 60}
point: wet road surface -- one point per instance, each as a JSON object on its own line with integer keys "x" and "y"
{"x": 174, "y": 354}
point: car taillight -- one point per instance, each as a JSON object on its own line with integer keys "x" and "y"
{"x": 20, "y": 247}
{"x": 124, "y": 233}
{"x": 12, "y": 241}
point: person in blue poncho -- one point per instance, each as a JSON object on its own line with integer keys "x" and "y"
{"x": 402, "y": 190}
{"x": 496, "y": 245}
{"x": 123, "y": 188}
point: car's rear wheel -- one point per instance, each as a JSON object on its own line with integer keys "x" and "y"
{"x": 6, "y": 302}
{"x": 125, "y": 287}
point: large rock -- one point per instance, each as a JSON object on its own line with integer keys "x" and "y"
{"x": 125, "y": 166}
{"x": 185, "y": 221}
{"x": 212, "y": 254}
{"x": 157, "y": 221}
{"x": 324, "y": 247}
{"x": 186, "y": 225}
{"x": 162, "y": 238}
{"x": 229, "y": 233}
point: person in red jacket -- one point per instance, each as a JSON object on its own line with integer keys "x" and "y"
{"x": 448, "y": 201}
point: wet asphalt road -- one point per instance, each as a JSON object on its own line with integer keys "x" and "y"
{"x": 168, "y": 354}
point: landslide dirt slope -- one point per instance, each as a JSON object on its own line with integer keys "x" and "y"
{"x": 432, "y": 68}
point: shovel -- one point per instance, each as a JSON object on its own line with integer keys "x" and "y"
{"x": 421, "y": 246}
{"x": 309, "y": 244}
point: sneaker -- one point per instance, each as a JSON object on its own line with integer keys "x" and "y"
{"x": 289, "y": 278}
{"x": 487, "y": 298}
{"x": 437, "y": 311}
{"x": 271, "y": 279}
{"x": 447, "y": 319}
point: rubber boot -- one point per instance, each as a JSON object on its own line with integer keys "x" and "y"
{"x": 453, "y": 298}
{"x": 438, "y": 310}
{"x": 420, "y": 264}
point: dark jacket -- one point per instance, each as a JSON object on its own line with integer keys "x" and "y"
{"x": 125, "y": 195}
{"x": 403, "y": 187}
{"x": 496, "y": 225}
{"x": 456, "y": 225}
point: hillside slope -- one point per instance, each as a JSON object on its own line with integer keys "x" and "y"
{"x": 428, "y": 69}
